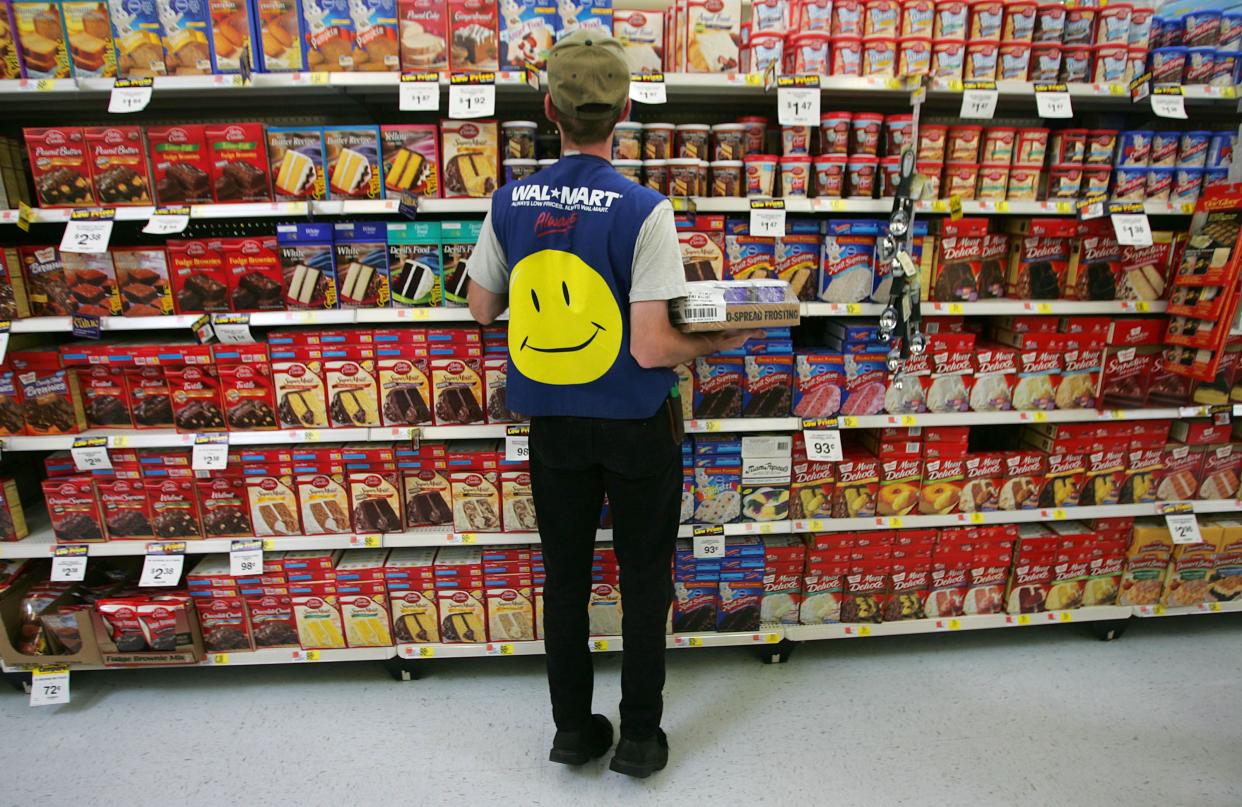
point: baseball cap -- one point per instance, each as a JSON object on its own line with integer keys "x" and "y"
{"x": 587, "y": 75}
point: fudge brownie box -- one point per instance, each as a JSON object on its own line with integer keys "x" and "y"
{"x": 10, "y": 62}
{"x": 476, "y": 500}
{"x": 411, "y": 160}
{"x": 307, "y": 262}
{"x": 89, "y": 31}
{"x": 424, "y": 35}
{"x": 139, "y": 37}
{"x": 41, "y": 38}
{"x": 457, "y": 390}
{"x": 245, "y": 386}
{"x": 199, "y": 277}
{"x": 126, "y": 508}
{"x": 106, "y": 401}
{"x": 473, "y": 28}
{"x": 272, "y": 500}
{"x": 299, "y": 388}
{"x": 323, "y": 495}
{"x": 143, "y": 282}
{"x": 231, "y": 36}
{"x": 14, "y": 304}
{"x": 44, "y": 276}
{"x": 255, "y": 276}
{"x": 296, "y": 163}
{"x": 73, "y": 507}
{"x": 118, "y": 163}
{"x": 375, "y": 501}
{"x": 353, "y": 160}
{"x": 180, "y": 164}
{"x": 60, "y": 166}
{"x": 195, "y": 390}
{"x": 403, "y": 374}
{"x": 1126, "y": 377}
{"x": 187, "y": 31}
{"x": 12, "y": 420}
{"x": 92, "y": 282}
{"x": 237, "y": 162}
{"x": 414, "y": 263}
{"x": 50, "y": 395}
{"x": 330, "y": 36}
{"x": 457, "y": 240}
{"x": 375, "y": 25}
{"x": 349, "y": 375}
{"x": 281, "y": 35}
{"x": 149, "y": 394}
{"x": 362, "y": 258}
{"x": 471, "y": 152}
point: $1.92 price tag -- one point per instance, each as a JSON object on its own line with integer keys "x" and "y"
{"x": 472, "y": 96}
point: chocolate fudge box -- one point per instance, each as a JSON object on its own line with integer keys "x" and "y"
{"x": 10, "y": 62}
{"x": 349, "y": 373}
{"x": 353, "y": 162}
{"x": 237, "y": 156}
{"x": 103, "y": 391}
{"x": 73, "y": 509}
{"x": 375, "y": 28}
{"x": 282, "y": 35}
{"x": 495, "y": 386}
{"x": 307, "y": 260}
{"x": 362, "y": 261}
{"x": 254, "y": 272}
{"x": 41, "y": 38}
{"x": 180, "y": 164}
{"x": 11, "y": 418}
{"x": 174, "y": 507}
{"x": 411, "y": 157}
{"x": 92, "y": 283}
{"x": 428, "y": 497}
{"x": 51, "y": 397}
{"x": 457, "y": 389}
{"x": 375, "y": 501}
{"x": 89, "y": 31}
{"x": 139, "y": 37}
{"x": 149, "y": 395}
{"x": 231, "y": 35}
{"x": 457, "y": 240}
{"x": 424, "y": 35}
{"x": 403, "y": 374}
{"x": 118, "y": 161}
{"x": 330, "y": 36}
{"x": 414, "y": 263}
{"x": 296, "y": 160}
{"x": 187, "y": 26}
{"x": 199, "y": 278}
{"x": 60, "y": 167}
{"x": 471, "y": 152}
{"x": 245, "y": 386}
{"x": 194, "y": 387}
{"x": 472, "y": 30}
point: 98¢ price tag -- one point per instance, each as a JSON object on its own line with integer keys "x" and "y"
{"x": 246, "y": 557}
{"x": 517, "y": 443}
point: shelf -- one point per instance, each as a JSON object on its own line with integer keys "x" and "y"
{"x": 768, "y": 634}
{"x": 1097, "y": 93}
{"x": 1051, "y": 307}
{"x": 1011, "y": 417}
{"x": 800, "y": 633}
{"x": 1229, "y": 607}
{"x": 293, "y": 655}
{"x": 1064, "y": 207}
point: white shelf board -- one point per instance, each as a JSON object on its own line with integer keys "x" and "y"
{"x": 1030, "y": 307}
{"x": 1015, "y": 417}
{"x": 705, "y": 425}
{"x": 294, "y": 655}
{"x": 838, "y": 630}
{"x": 1087, "y": 91}
{"x": 768, "y": 634}
{"x": 1229, "y": 607}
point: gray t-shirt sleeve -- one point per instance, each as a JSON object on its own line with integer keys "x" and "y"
{"x": 487, "y": 265}
{"x": 657, "y": 273}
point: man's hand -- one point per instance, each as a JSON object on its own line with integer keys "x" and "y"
{"x": 731, "y": 340}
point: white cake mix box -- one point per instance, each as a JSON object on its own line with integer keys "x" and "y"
{"x": 712, "y": 36}
{"x": 641, "y": 33}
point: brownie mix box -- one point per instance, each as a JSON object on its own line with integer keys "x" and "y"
{"x": 118, "y": 163}
{"x": 245, "y": 386}
{"x": 254, "y": 273}
{"x": 299, "y": 387}
{"x": 411, "y": 159}
{"x": 50, "y": 395}
{"x": 91, "y": 279}
{"x": 222, "y": 501}
{"x": 237, "y": 161}
{"x": 143, "y": 281}
{"x": 199, "y": 277}
{"x": 73, "y": 508}
{"x": 149, "y": 397}
{"x": 126, "y": 509}
{"x": 60, "y": 167}
{"x": 296, "y": 162}
{"x": 174, "y": 508}
{"x": 106, "y": 401}
{"x": 12, "y": 420}
{"x": 180, "y": 164}
{"x": 353, "y": 158}
{"x": 196, "y": 400}
{"x": 473, "y": 30}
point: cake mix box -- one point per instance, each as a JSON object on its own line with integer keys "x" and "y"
{"x": 473, "y": 27}
{"x": 375, "y": 500}
{"x": 231, "y": 36}
{"x": 847, "y": 271}
{"x": 89, "y": 32}
{"x": 518, "y": 502}
{"x": 718, "y": 386}
{"x": 857, "y": 486}
{"x": 323, "y": 495}
{"x": 180, "y": 164}
{"x": 403, "y": 374}
{"x": 283, "y": 36}
{"x": 898, "y": 492}
{"x": 414, "y": 263}
{"x": 1145, "y": 270}
{"x": 702, "y": 254}
{"x": 299, "y": 387}
{"x": 495, "y": 389}
{"x": 307, "y": 259}
{"x": 1222, "y": 466}
{"x": 471, "y": 152}
{"x": 331, "y": 38}
{"x": 1064, "y": 480}
{"x": 296, "y": 161}
{"x": 981, "y": 482}
{"x": 10, "y": 61}
{"x": 819, "y": 383}
{"x": 428, "y": 498}
{"x": 797, "y": 258}
{"x": 60, "y": 167}
{"x": 1024, "y": 474}
{"x": 411, "y": 160}
{"x": 864, "y": 388}
{"x": 424, "y": 35}
{"x": 641, "y": 33}
{"x": 187, "y": 33}
{"x": 959, "y": 264}
{"x": 476, "y": 500}
{"x": 237, "y": 159}
{"x": 353, "y": 162}
{"x": 198, "y": 276}
{"x": 767, "y": 385}
{"x": 457, "y": 240}
{"x": 1095, "y": 267}
{"x": 457, "y": 391}
{"x": 349, "y": 372}
{"x": 41, "y": 38}
{"x": 254, "y": 273}
{"x": 246, "y": 386}
{"x": 375, "y": 29}
{"x": 139, "y": 37}
{"x": 317, "y": 615}
{"x": 1126, "y": 377}
{"x": 527, "y": 32}
{"x": 273, "y": 501}
{"x": 1039, "y": 258}
{"x": 362, "y": 261}
{"x": 712, "y": 33}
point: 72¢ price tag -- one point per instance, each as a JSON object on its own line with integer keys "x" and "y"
{"x": 49, "y": 685}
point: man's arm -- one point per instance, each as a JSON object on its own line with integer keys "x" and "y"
{"x": 488, "y": 293}
{"x": 654, "y": 342}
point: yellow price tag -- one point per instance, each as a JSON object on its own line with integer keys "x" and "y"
{"x": 940, "y": 206}
{"x": 849, "y": 422}
{"x": 767, "y": 528}
{"x": 955, "y": 624}
{"x": 118, "y": 442}
{"x": 425, "y": 652}
{"x": 895, "y": 84}
{"x": 599, "y": 645}
{"x": 506, "y": 650}
{"x": 371, "y": 541}
{"x": 976, "y": 518}
{"x": 24, "y": 216}
{"x": 1116, "y": 89}
{"x": 754, "y": 79}
{"x": 220, "y": 658}
{"x": 1117, "y": 414}
{"x": 694, "y": 641}
{"x": 312, "y": 655}
{"x": 1188, "y": 208}
{"x": 815, "y": 525}
{"x": 1228, "y": 92}
{"x": 955, "y": 308}
{"x": 311, "y": 436}
{"x": 1066, "y": 616}
{"x": 894, "y": 522}
{"x": 909, "y": 420}
{"x": 1002, "y": 206}
{"x": 864, "y": 630}
{"x": 772, "y": 638}
{"x": 1044, "y": 308}
{"x": 419, "y": 313}
{"x": 469, "y": 538}
{"x": 45, "y": 85}
{"x": 1142, "y": 306}
{"x": 1059, "y": 515}
{"x": 319, "y": 78}
{"x": 1024, "y": 619}
{"x": 1213, "y": 606}
{"x": 1039, "y": 416}
{"x": 955, "y": 85}
{"x": 1064, "y": 207}
{"x": 269, "y": 544}
{"x": 853, "y": 308}
{"x": 711, "y": 425}
{"x": 1158, "y": 610}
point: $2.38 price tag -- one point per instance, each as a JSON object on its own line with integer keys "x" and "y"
{"x": 210, "y": 453}
{"x": 162, "y": 567}
{"x": 91, "y": 454}
{"x": 86, "y": 237}
{"x": 49, "y": 685}
{"x": 69, "y": 563}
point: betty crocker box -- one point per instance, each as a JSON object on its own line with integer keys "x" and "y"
{"x": 199, "y": 277}
{"x": 254, "y": 273}
{"x": 118, "y": 163}
{"x": 180, "y": 164}
{"x": 60, "y": 167}
{"x": 237, "y": 160}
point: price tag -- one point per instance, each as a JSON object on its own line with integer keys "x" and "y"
{"x": 210, "y": 453}
{"x": 130, "y": 95}
{"x": 767, "y": 218}
{"x": 709, "y": 543}
{"x": 232, "y": 329}
{"x": 246, "y": 557}
{"x": 69, "y": 563}
{"x": 1182, "y": 522}
{"x": 24, "y": 216}
{"x": 49, "y": 685}
{"x": 472, "y": 96}
{"x": 955, "y": 207}
{"x": 979, "y": 100}
{"x": 517, "y": 443}
{"x": 797, "y": 100}
{"x": 1053, "y": 101}
{"x": 5, "y": 327}
{"x": 305, "y": 655}
{"x": 91, "y": 454}
{"x": 168, "y": 221}
{"x": 219, "y": 658}
{"x": 823, "y": 439}
{"x": 1092, "y": 207}
{"x": 419, "y": 92}
{"x": 505, "y": 649}
{"x": 86, "y": 237}
{"x": 648, "y": 88}
{"x": 1168, "y": 102}
{"x": 163, "y": 565}
{"x": 1133, "y": 229}
{"x": 598, "y": 645}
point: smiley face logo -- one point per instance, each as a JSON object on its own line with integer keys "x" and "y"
{"x": 564, "y": 323}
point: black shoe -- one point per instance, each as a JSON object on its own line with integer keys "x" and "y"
{"x": 641, "y": 758}
{"x": 579, "y": 747}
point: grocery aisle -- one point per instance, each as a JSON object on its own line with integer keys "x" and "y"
{"x": 1037, "y": 716}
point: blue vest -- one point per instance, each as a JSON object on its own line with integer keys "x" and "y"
{"x": 568, "y": 235}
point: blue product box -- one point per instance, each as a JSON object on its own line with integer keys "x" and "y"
{"x": 527, "y": 31}
{"x": 594, "y": 15}
{"x": 279, "y": 33}
{"x": 308, "y": 265}
{"x": 187, "y": 32}
{"x": 362, "y": 255}
{"x": 139, "y": 38}
{"x": 330, "y": 35}
{"x": 296, "y": 161}
{"x": 376, "y": 47}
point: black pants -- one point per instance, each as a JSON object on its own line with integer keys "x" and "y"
{"x": 573, "y": 462}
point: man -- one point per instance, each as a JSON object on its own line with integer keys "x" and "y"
{"x": 586, "y": 261}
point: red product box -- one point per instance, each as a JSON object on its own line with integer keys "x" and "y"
{"x": 272, "y": 622}
{"x": 106, "y": 399}
{"x": 118, "y": 161}
{"x": 351, "y": 387}
{"x": 474, "y": 24}
{"x": 811, "y": 489}
{"x": 981, "y": 480}
{"x": 237, "y": 153}
{"x": 180, "y": 164}
{"x": 195, "y": 397}
{"x": 898, "y": 492}
{"x": 1086, "y": 326}
{"x": 910, "y": 583}
{"x": 495, "y": 381}
{"x": 60, "y": 167}
{"x": 1038, "y": 266}
{"x": 199, "y": 276}
{"x": 1103, "y": 474}
{"x": 942, "y": 485}
{"x": 1199, "y": 432}
{"x": 949, "y": 576}
{"x": 246, "y": 386}
{"x": 1095, "y": 269}
{"x": 426, "y": 18}
{"x": 866, "y": 591}
{"x": 1026, "y": 324}
{"x": 51, "y": 397}
{"x": 224, "y": 623}
{"x": 1064, "y": 480}
{"x": 958, "y": 264}
{"x": 1137, "y": 331}
{"x": 858, "y": 481}
{"x": 73, "y": 507}
{"x": 1126, "y": 376}
{"x": 126, "y": 509}
{"x": 254, "y": 273}
{"x": 1141, "y": 471}
{"x": 174, "y": 507}
{"x": 11, "y": 420}
{"x": 222, "y": 500}
{"x": 1023, "y": 473}
{"x": 143, "y": 281}
{"x": 1222, "y": 466}
{"x": 92, "y": 283}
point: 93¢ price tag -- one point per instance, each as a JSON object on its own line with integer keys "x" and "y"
{"x": 472, "y": 100}
{"x": 709, "y": 543}
{"x": 49, "y": 685}
{"x": 823, "y": 443}
{"x": 246, "y": 557}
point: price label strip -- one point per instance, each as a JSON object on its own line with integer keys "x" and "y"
{"x": 648, "y": 88}
{"x": 130, "y": 95}
{"x": 5, "y": 327}
{"x": 49, "y": 686}
{"x": 767, "y": 218}
{"x": 1091, "y": 207}
{"x": 517, "y": 443}
{"x": 419, "y": 92}
{"x": 979, "y": 100}
{"x": 797, "y": 100}
{"x": 90, "y": 454}
{"x": 1130, "y": 224}
{"x": 163, "y": 564}
{"x": 210, "y": 453}
{"x": 1182, "y": 522}
{"x": 823, "y": 439}
{"x": 1053, "y": 101}
{"x": 246, "y": 557}
{"x": 88, "y": 231}
{"x": 709, "y": 542}
{"x": 167, "y": 221}
{"x": 1140, "y": 87}
{"x": 69, "y": 563}
{"x": 1168, "y": 102}
{"x": 232, "y": 329}
{"x": 472, "y": 95}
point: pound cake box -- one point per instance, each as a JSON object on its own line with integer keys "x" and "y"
{"x": 90, "y": 39}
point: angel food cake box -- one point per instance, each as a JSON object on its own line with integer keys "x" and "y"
{"x": 712, "y": 35}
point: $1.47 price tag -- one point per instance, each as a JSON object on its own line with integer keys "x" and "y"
{"x": 130, "y": 95}
{"x": 163, "y": 565}
{"x": 1053, "y": 101}
{"x": 709, "y": 543}
{"x": 69, "y": 563}
{"x": 246, "y": 557}
{"x": 49, "y": 685}
{"x": 979, "y": 100}
{"x": 823, "y": 439}
{"x": 797, "y": 100}
{"x": 517, "y": 443}
{"x": 767, "y": 218}
{"x": 648, "y": 88}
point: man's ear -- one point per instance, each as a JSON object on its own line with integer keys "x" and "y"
{"x": 549, "y": 109}
{"x": 625, "y": 113}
